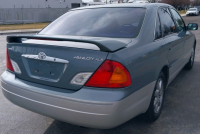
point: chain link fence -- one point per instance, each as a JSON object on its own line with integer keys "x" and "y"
{"x": 30, "y": 15}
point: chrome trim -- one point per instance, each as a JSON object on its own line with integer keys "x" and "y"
{"x": 50, "y": 59}
{"x": 42, "y": 55}
{"x": 156, "y": 24}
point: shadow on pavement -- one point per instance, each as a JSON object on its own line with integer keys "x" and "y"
{"x": 58, "y": 127}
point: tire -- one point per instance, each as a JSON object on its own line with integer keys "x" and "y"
{"x": 157, "y": 99}
{"x": 190, "y": 63}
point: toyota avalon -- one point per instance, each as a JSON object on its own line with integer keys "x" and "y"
{"x": 100, "y": 66}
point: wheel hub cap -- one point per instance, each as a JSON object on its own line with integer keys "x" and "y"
{"x": 158, "y": 94}
{"x": 192, "y": 57}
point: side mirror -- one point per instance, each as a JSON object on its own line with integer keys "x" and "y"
{"x": 192, "y": 26}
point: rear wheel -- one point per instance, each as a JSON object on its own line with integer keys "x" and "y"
{"x": 190, "y": 63}
{"x": 157, "y": 99}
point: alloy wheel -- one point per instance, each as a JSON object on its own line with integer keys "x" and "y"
{"x": 192, "y": 57}
{"x": 158, "y": 94}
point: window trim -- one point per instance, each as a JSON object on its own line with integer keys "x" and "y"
{"x": 172, "y": 16}
{"x": 175, "y": 20}
{"x": 161, "y": 23}
{"x": 156, "y": 25}
{"x": 157, "y": 17}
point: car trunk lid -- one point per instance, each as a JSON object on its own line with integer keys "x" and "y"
{"x": 54, "y": 61}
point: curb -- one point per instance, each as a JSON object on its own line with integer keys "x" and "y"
{"x": 183, "y": 15}
{"x": 19, "y": 31}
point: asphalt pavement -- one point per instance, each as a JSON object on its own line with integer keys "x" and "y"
{"x": 180, "y": 115}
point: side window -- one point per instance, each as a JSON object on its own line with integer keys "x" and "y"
{"x": 167, "y": 24}
{"x": 179, "y": 22}
{"x": 158, "y": 31}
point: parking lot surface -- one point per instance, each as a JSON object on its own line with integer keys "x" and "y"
{"x": 180, "y": 115}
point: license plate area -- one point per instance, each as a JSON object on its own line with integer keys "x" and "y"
{"x": 50, "y": 69}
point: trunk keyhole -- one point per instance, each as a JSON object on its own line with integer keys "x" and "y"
{"x": 51, "y": 73}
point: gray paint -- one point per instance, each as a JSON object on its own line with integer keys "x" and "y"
{"x": 95, "y": 112}
{"x": 144, "y": 58}
{"x": 105, "y": 44}
{"x": 62, "y": 75}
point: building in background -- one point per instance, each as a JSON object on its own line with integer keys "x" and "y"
{"x": 40, "y": 3}
{"x": 32, "y": 11}
{"x": 92, "y": 3}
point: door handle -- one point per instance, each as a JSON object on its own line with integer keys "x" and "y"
{"x": 170, "y": 49}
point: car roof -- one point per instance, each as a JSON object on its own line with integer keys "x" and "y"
{"x": 142, "y": 5}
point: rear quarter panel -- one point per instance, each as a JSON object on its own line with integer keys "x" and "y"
{"x": 144, "y": 57}
{"x": 144, "y": 63}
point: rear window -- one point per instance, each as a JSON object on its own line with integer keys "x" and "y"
{"x": 99, "y": 22}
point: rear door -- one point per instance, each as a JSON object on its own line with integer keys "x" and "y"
{"x": 173, "y": 41}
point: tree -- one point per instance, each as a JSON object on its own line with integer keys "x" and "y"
{"x": 177, "y": 3}
{"x": 196, "y": 3}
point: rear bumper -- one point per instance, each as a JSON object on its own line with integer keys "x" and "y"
{"x": 95, "y": 114}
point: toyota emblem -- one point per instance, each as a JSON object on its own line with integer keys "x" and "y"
{"x": 42, "y": 55}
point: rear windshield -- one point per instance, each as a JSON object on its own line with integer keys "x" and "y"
{"x": 99, "y": 22}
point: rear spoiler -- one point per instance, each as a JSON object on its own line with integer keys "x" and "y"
{"x": 105, "y": 44}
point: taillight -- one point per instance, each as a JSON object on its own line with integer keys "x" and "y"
{"x": 110, "y": 74}
{"x": 8, "y": 62}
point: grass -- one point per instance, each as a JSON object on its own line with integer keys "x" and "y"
{"x": 22, "y": 26}
{"x": 182, "y": 11}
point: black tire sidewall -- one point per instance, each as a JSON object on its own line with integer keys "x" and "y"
{"x": 189, "y": 65}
